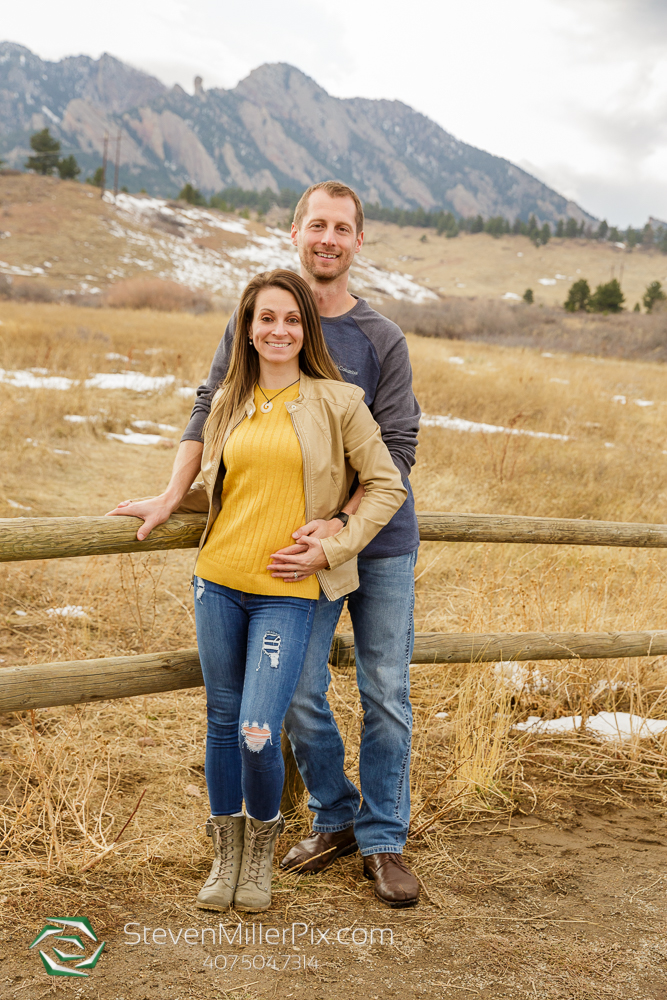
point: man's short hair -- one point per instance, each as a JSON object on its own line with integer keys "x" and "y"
{"x": 335, "y": 189}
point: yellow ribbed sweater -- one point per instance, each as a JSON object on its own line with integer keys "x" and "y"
{"x": 263, "y": 502}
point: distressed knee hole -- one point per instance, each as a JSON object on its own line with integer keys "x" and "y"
{"x": 270, "y": 647}
{"x": 255, "y": 736}
{"x": 200, "y": 589}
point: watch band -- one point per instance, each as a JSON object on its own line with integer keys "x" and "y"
{"x": 342, "y": 516}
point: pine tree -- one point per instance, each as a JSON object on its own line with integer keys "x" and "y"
{"x": 602, "y": 230}
{"x": 477, "y": 225}
{"x": 571, "y": 228}
{"x": 578, "y": 297}
{"x": 45, "y": 149}
{"x": 192, "y": 195}
{"x": 545, "y": 234}
{"x": 607, "y": 298}
{"x": 69, "y": 169}
{"x": 560, "y": 229}
{"x": 653, "y": 294}
{"x": 96, "y": 179}
{"x": 648, "y": 236}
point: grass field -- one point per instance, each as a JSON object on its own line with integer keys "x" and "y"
{"x": 519, "y": 898}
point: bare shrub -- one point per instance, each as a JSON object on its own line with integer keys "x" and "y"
{"x": 626, "y": 335}
{"x": 26, "y": 291}
{"x": 154, "y": 293}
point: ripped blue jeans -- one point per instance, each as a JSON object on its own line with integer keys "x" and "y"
{"x": 252, "y": 650}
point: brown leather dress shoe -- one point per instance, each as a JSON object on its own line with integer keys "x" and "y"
{"x": 318, "y": 851}
{"x": 395, "y": 884}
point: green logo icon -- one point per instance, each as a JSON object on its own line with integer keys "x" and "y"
{"x": 61, "y": 930}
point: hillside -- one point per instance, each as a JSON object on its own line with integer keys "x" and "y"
{"x": 277, "y": 128}
{"x": 62, "y": 234}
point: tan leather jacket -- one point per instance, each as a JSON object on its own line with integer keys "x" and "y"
{"x": 338, "y": 438}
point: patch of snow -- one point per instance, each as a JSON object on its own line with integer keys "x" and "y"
{"x": 130, "y": 380}
{"x": 560, "y": 381}
{"x": 617, "y": 726}
{"x": 621, "y": 246}
{"x": 643, "y": 402}
{"x": 131, "y": 437}
{"x": 69, "y": 611}
{"x": 17, "y": 505}
{"x": 76, "y": 418}
{"x": 518, "y": 677}
{"x": 519, "y": 254}
{"x": 458, "y": 424}
{"x": 455, "y": 360}
{"x": 23, "y": 272}
{"x": 145, "y": 425}
{"x": 459, "y": 284}
{"x": 511, "y": 295}
{"x": 20, "y": 613}
{"x": 545, "y": 354}
{"x": 609, "y": 444}
{"x": 60, "y": 451}
{"x": 27, "y": 380}
{"x": 561, "y": 277}
{"x": 442, "y": 715}
{"x": 116, "y": 357}
{"x": 186, "y": 391}
{"x": 547, "y": 281}
{"x": 619, "y": 399}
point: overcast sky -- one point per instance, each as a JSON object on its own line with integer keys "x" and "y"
{"x": 575, "y": 91}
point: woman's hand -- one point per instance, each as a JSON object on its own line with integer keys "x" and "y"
{"x": 152, "y": 511}
{"x": 297, "y": 562}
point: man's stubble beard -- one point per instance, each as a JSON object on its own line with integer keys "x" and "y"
{"x": 311, "y": 265}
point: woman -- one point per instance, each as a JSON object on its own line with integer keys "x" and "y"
{"x": 284, "y": 440}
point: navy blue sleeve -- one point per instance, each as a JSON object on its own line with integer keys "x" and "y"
{"x": 202, "y": 408}
{"x": 396, "y": 409}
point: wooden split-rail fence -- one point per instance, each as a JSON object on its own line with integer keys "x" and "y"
{"x": 47, "y": 685}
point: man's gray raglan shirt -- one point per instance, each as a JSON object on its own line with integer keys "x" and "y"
{"x": 371, "y": 352}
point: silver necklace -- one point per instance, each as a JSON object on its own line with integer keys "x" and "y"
{"x": 268, "y": 405}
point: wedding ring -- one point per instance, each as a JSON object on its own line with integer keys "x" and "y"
{"x": 296, "y": 576}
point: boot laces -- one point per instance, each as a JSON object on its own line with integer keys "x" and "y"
{"x": 257, "y": 848}
{"x": 223, "y": 841}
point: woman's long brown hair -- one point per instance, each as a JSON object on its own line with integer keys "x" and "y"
{"x": 243, "y": 372}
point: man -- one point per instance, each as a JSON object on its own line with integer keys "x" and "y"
{"x": 371, "y": 352}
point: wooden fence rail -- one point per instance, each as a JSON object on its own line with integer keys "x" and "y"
{"x": 46, "y": 685}
{"x": 24, "y": 538}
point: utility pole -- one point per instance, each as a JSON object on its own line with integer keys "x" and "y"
{"x": 104, "y": 165}
{"x": 115, "y": 174}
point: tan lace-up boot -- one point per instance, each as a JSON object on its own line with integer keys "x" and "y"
{"x": 253, "y": 891}
{"x": 226, "y": 832}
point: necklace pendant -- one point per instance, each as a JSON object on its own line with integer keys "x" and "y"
{"x": 267, "y": 406}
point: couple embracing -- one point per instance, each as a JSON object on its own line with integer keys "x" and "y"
{"x": 304, "y": 435}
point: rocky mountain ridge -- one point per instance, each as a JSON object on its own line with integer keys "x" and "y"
{"x": 277, "y": 128}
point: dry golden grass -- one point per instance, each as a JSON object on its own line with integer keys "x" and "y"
{"x": 154, "y": 293}
{"x": 72, "y": 777}
{"x": 480, "y": 265}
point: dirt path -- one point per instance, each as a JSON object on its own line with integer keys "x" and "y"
{"x": 591, "y": 924}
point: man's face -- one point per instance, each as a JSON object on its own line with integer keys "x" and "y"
{"x": 327, "y": 240}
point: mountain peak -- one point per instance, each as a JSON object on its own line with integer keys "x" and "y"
{"x": 278, "y": 128}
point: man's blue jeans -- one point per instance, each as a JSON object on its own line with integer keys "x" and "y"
{"x": 252, "y": 649}
{"x": 382, "y": 618}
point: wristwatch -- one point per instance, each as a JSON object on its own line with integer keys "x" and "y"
{"x": 342, "y": 516}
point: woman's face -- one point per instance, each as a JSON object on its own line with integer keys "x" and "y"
{"x": 276, "y": 329}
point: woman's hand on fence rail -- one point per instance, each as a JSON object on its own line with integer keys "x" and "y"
{"x": 151, "y": 510}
